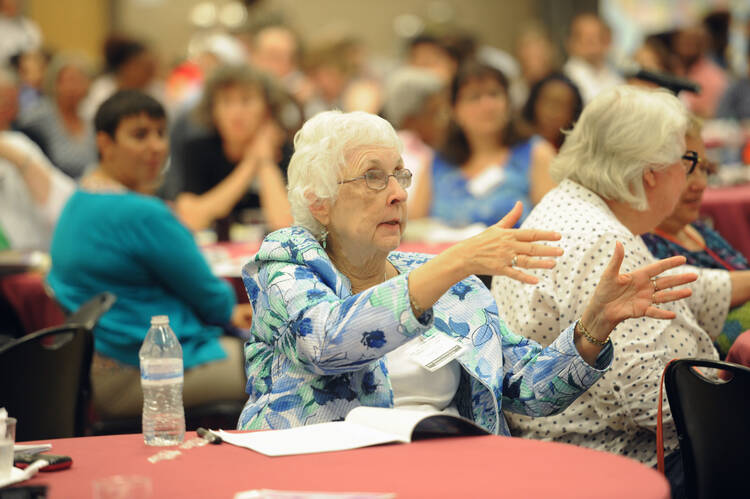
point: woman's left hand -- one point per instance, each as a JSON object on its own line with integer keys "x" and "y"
{"x": 626, "y": 296}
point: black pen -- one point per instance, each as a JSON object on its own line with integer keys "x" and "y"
{"x": 209, "y": 435}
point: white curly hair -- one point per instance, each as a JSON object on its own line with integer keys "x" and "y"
{"x": 322, "y": 150}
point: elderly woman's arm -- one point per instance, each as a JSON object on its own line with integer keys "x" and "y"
{"x": 616, "y": 298}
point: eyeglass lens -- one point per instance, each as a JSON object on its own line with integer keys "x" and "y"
{"x": 377, "y": 179}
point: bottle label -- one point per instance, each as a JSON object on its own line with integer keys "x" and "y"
{"x": 161, "y": 371}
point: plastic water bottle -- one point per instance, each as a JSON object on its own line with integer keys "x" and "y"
{"x": 162, "y": 380}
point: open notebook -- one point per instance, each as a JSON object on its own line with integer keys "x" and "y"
{"x": 363, "y": 426}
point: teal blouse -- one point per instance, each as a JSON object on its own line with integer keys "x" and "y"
{"x": 134, "y": 247}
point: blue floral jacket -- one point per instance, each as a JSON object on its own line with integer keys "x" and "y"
{"x": 317, "y": 350}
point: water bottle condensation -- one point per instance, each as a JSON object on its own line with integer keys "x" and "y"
{"x": 162, "y": 379}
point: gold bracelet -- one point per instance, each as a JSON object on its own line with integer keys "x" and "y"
{"x": 580, "y": 328}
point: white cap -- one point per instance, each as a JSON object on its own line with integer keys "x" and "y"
{"x": 160, "y": 320}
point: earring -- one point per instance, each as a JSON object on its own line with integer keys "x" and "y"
{"x": 323, "y": 238}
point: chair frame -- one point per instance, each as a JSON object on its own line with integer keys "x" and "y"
{"x": 83, "y": 391}
{"x": 697, "y": 481}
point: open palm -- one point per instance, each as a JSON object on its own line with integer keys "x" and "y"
{"x": 635, "y": 294}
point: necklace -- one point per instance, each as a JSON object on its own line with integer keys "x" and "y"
{"x": 697, "y": 241}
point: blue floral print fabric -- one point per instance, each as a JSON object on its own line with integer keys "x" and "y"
{"x": 316, "y": 350}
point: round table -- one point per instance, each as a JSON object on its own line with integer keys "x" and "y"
{"x": 485, "y": 466}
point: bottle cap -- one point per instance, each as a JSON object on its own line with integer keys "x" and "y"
{"x": 160, "y": 320}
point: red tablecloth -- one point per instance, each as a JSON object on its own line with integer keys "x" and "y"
{"x": 729, "y": 208}
{"x": 35, "y": 309}
{"x": 487, "y": 466}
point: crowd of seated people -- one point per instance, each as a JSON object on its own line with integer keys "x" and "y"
{"x": 582, "y": 181}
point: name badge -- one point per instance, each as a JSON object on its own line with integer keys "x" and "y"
{"x": 435, "y": 351}
{"x": 483, "y": 183}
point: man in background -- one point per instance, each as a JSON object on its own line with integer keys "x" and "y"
{"x": 588, "y": 46}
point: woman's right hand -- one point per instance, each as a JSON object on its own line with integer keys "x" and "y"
{"x": 266, "y": 143}
{"x": 498, "y": 250}
{"x": 502, "y": 250}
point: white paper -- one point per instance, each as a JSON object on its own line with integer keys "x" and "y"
{"x": 322, "y": 437}
{"x": 363, "y": 427}
{"x": 31, "y": 448}
{"x": 399, "y": 423}
{"x": 293, "y": 494}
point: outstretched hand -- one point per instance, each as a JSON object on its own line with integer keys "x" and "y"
{"x": 503, "y": 250}
{"x": 626, "y": 296}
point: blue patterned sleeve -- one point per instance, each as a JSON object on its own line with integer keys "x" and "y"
{"x": 311, "y": 325}
{"x": 544, "y": 381}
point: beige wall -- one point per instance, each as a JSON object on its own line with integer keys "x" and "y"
{"x": 72, "y": 25}
{"x": 165, "y": 23}
{"x": 82, "y": 25}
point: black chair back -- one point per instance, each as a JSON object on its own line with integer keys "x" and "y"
{"x": 89, "y": 313}
{"x": 45, "y": 380}
{"x": 712, "y": 418}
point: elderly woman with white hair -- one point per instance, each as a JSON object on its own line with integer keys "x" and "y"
{"x": 621, "y": 170}
{"x": 338, "y": 314}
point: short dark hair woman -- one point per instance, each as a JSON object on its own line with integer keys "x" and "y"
{"x": 113, "y": 235}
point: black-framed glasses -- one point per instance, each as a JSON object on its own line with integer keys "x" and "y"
{"x": 377, "y": 180}
{"x": 690, "y": 160}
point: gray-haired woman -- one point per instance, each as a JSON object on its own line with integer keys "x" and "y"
{"x": 338, "y": 312}
{"x": 55, "y": 121}
{"x": 621, "y": 170}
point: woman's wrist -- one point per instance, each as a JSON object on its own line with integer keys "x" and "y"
{"x": 595, "y": 325}
{"x": 455, "y": 263}
{"x": 263, "y": 163}
{"x": 580, "y": 330}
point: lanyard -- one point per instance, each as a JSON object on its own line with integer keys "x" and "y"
{"x": 703, "y": 246}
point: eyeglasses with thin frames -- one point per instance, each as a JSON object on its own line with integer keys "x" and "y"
{"x": 377, "y": 180}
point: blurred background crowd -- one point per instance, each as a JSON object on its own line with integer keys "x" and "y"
{"x": 238, "y": 78}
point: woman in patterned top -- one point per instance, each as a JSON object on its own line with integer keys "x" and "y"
{"x": 683, "y": 234}
{"x": 339, "y": 316}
